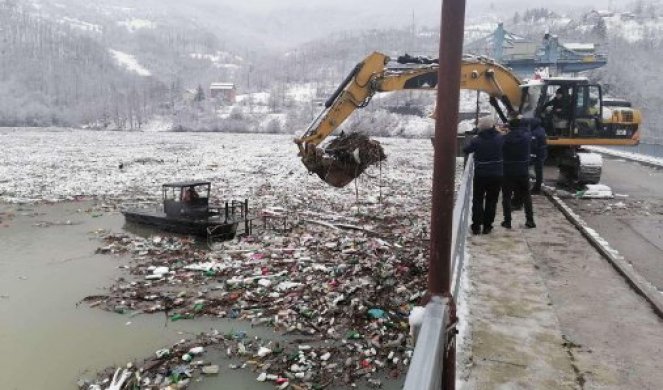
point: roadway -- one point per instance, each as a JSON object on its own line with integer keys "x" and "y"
{"x": 632, "y": 222}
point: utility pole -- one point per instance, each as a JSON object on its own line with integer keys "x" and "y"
{"x": 444, "y": 167}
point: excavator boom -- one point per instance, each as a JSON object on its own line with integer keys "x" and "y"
{"x": 347, "y": 158}
{"x": 375, "y": 75}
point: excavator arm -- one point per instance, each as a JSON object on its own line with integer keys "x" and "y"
{"x": 374, "y": 75}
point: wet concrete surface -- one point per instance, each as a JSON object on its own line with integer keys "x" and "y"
{"x": 613, "y": 338}
{"x": 632, "y": 222}
{"x": 515, "y": 338}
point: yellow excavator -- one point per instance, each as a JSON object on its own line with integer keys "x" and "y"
{"x": 585, "y": 122}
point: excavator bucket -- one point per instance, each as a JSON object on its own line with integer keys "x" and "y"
{"x": 344, "y": 159}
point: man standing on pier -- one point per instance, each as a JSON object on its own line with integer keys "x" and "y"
{"x": 516, "y": 151}
{"x": 487, "y": 149}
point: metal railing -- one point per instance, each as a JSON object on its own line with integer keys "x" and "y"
{"x": 425, "y": 370}
{"x": 461, "y": 223}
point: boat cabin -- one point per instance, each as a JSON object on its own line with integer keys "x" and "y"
{"x": 187, "y": 210}
{"x": 186, "y": 199}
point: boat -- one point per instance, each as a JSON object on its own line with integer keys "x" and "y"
{"x": 187, "y": 210}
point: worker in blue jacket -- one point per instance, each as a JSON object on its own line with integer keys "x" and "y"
{"x": 487, "y": 149}
{"x": 516, "y": 154}
{"x": 539, "y": 151}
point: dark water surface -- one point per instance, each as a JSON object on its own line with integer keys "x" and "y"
{"x": 47, "y": 265}
{"x": 46, "y": 342}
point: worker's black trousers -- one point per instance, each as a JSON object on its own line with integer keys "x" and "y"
{"x": 517, "y": 188}
{"x": 538, "y": 170}
{"x": 484, "y": 202}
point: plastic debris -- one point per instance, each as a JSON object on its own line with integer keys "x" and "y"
{"x": 596, "y": 191}
{"x": 376, "y": 313}
{"x": 162, "y": 353}
{"x": 210, "y": 370}
{"x": 341, "y": 295}
{"x": 416, "y": 319}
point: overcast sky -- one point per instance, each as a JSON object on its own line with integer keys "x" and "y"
{"x": 271, "y": 4}
{"x": 284, "y": 23}
{"x": 314, "y": 18}
{"x": 423, "y": 6}
{"x": 397, "y": 12}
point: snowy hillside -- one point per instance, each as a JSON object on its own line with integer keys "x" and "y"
{"x": 110, "y": 67}
{"x": 147, "y": 59}
{"x": 130, "y": 63}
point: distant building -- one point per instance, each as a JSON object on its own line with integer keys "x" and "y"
{"x": 594, "y": 15}
{"x": 627, "y": 16}
{"x": 225, "y": 92}
{"x": 605, "y": 13}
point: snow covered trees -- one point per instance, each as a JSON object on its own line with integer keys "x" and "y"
{"x": 52, "y": 75}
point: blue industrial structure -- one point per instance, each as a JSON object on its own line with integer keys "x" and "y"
{"x": 525, "y": 56}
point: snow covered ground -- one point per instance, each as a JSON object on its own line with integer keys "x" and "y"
{"x": 158, "y": 123}
{"x": 220, "y": 59}
{"x": 81, "y": 25}
{"x": 264, "y": 168}
{"x": 634, "y": 29}
{"x": 133, "y": 25}
{"x": 130, "y": 63}
{"x": 643, "y": 158}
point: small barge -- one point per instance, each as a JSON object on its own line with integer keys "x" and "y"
{"x": 186, "y": 210}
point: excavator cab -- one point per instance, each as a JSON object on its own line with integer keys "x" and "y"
{"x": 571, "y": 108}
{"x": 587, "y": 111}
{"x": 585, "y": 117}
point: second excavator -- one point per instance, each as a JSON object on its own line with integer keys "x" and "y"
{"x": 578, "y": 119}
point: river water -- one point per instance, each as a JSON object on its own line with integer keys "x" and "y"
{"x": 46, "y": 341}
{"x": 47, "y": 265}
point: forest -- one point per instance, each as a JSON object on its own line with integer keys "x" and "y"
{"x": 88, "y": 69}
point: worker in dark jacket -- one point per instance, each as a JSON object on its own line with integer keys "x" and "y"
{"x": 557, "y": 112}
{"x": 487, "y": 149}
{"x": 516, "y": 152}
{"x": 560, "y": 104}
{"x": 539, "y": 151}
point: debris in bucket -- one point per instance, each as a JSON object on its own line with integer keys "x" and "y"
{"x": 344, "y": 159}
